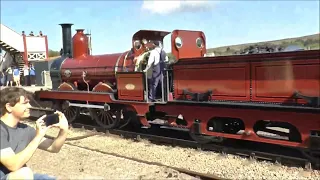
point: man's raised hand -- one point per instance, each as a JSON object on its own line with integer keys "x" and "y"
{"x": 63, "y": 122}
{"x": 41, "y": 127}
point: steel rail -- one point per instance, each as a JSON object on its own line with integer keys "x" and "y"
{"x": 258, "y": 155}
{"x": 201, "y": 176}
{"x": 195, "y": 174}
{"x": 252, "y": 154}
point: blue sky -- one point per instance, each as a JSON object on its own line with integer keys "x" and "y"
{"x": 113, "y": 23}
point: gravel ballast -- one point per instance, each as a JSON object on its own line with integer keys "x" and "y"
{"x": 225, "y": 166}
{"x": 77, "y": 163}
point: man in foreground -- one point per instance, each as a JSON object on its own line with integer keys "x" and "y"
{"x": 19, "y": 141}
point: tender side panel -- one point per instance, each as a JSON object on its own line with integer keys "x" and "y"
{"x": 227, "y": 81}
{"x": 130, "y": 86}
{"x": 276, "y": 81}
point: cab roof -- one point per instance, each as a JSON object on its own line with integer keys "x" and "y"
{"x": 150, "y": 35}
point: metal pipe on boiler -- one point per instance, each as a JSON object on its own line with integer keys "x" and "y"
{"x": 89, "y": 42}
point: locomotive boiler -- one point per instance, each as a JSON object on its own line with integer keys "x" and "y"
{"x": 83, "y": 71}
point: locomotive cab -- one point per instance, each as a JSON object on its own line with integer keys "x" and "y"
{"x": 133, "y": 84}
{"x": 141, "y": 46}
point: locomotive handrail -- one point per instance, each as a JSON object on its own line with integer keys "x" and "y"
{"x": 42, "y": 77}
{"x": 74, "y": 67}
{"x": 147, "y": 87}
{"x": 163, "y": 88}
{"x": 168, "y": 85}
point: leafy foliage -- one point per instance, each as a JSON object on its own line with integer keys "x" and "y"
{"x": 306, "y": 42}
{"x": 53, "y": 53}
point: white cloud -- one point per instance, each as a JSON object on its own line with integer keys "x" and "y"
{"x": 165, "y": 7}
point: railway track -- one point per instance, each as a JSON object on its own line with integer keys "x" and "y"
{"x": 195, "y": 174}
{"x": 185, "y": 171}
{"x": 280, "y": 155}
{"x": 228, "y": 148}
{"x": 289, "y": 160}
{"x": 258, "y": 151}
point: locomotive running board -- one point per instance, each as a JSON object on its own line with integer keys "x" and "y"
{"x": 163, "y": 124}
{"x": 175, "y": 128}
{"x": 36, "y": 111}
{"x": 106, "y": 107}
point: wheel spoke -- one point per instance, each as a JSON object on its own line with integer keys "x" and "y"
{"x": 70, "y": 112}
{"x": 109, "y": 117}
{"x": 73, "y": 111}
{"x": 104, "y": 118}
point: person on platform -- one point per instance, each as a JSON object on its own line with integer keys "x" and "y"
{"x": 32, "y": 75}
{"x": 155, "y": 69}
{"x": 16, "y": 75}
{"x": 2, "y": 78}
{"x": 26, "y": 75}
{"x": 19, "y": 141}
{"x": 9, "y": 76}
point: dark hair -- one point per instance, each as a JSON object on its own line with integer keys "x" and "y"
{"x": 12, "y": 96}
{"x": 156, "y": 43}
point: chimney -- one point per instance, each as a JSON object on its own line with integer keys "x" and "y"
{"x": 66, "y": 39}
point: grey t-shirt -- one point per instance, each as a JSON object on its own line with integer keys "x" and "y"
{"x": 16, "y": 138}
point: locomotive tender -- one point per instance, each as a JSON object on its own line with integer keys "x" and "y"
{"x": 245, "y": 97}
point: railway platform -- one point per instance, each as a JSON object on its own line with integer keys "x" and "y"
{"x": 31, "y": 88}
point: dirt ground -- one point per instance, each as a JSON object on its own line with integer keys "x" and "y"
{"x": 77, "y": 163}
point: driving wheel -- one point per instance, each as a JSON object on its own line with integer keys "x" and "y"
{"x": 106, "y": 119}
{"x": 70, "y": 112}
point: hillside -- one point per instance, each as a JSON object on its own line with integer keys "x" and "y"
{"x": 306, "y": 42}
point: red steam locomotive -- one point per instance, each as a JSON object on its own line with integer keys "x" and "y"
{"x": 271, "y": 97}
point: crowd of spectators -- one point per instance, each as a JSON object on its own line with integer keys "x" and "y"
{"x": 12, "y": 76}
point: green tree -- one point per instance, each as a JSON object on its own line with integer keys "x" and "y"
{"x": 53, "y": 53}
{"x": 171, "y": 57}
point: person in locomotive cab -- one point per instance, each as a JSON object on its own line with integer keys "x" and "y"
{"x": 155, "y": 69}
{"x": 19, "y": 141}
